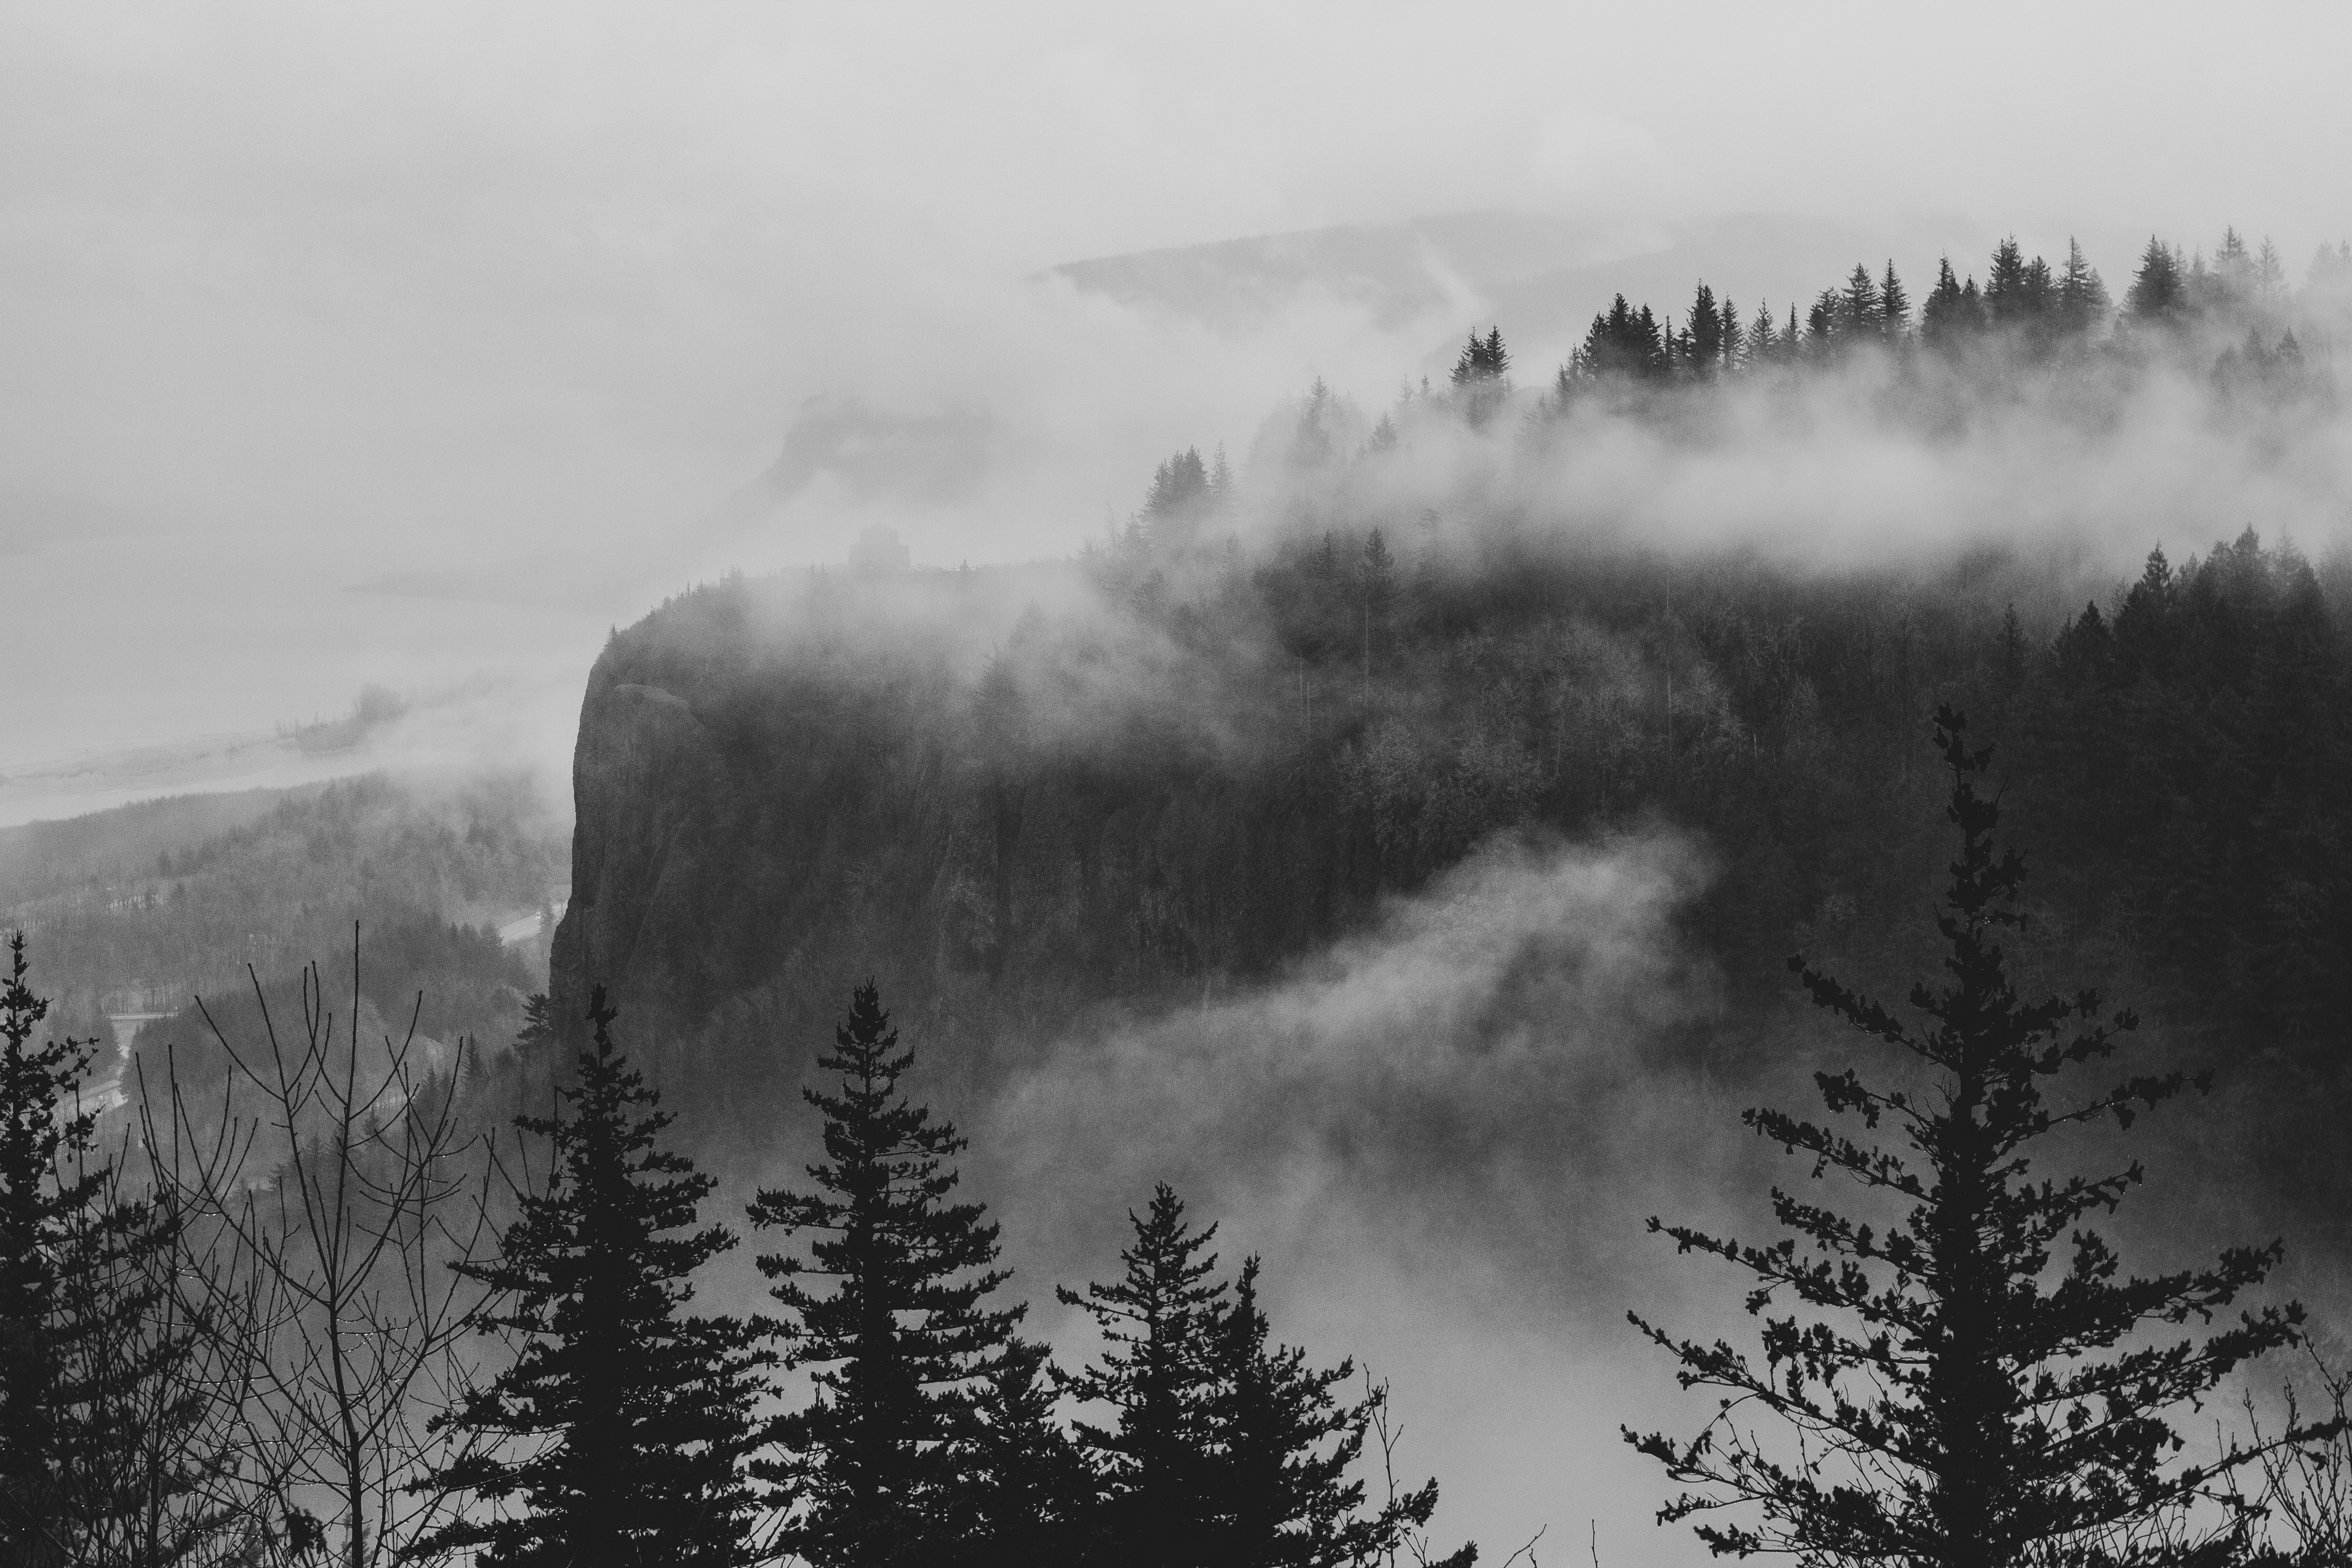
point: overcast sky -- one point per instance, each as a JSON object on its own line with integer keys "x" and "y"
{"x": 523, "y": 289}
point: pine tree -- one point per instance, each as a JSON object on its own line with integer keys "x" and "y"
{"x": 84, "y": 1350}
{"x": 1763, "y": 343}
{"x": 634, "y": 1423}
{"x": 1822, "y": 322}
{"x": 904, "y": 1337}
{"x": 1983, "y": 1410}
{"x": 1940, "y": 322}
{"x": 1893, "y": 304}
{"x": 43, "y": 1208}
{"x": 1706, "y": 332}
{"x": 1857, "y": 312}
{"x": 2011, "y": 655}
{"x": 2157, "y": 293}
{"x": 1498, "y": 359}
{"x": 1157, "y": 1375}
{"x": 2005, "y": 288}
{"x": 1730, "y": 335}
{"x": 2082, "y": 304}
{"x": 1024, "y": 1496}
{"x": 1281, "y": 1442}
{"x": 1179, "y": 495}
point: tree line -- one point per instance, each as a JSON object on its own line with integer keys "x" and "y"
{"x": 2026, "y": 309}
{"x": 287, "y": 1329}
{"x": 1956, "y": 1369}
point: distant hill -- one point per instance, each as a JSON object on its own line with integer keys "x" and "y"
{"x": 139, "y": 909}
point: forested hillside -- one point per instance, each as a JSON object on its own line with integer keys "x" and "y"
{"x": 140, "y": 909}
{"x": 1029, "y": 799}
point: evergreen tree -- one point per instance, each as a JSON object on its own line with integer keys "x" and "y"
{"x": 1482, "y": 359}
{"x": 2081, "y": 303}
{"x": 1730, "y": 336}
{"x": 2039, "y": 294}
{"x": 2005, "y": 291}
{"x": 2157, "y": 293}
{"x": 1893, "y": 304}
{"x": 45, "y": 1203}
{"x": 1310, "y": 444}
{"x": 1857, "y": 312}
{"x": 904, "y": 1339}
{"x": 1179, "y": 495}
{"x": 2269, "y": 279}
{"x": 1023, "y": 1493}
{"x": 1983, "y": 1411}
{"x": 1763, "y": 343}
{"x": 2233, "y": 271}
{"x": 634, "y": 1423}
{"x": 1940, "y": 322}
{"x": 1822, "y": 322}
{"x": 2011, "y": 654}
{"x": 1706, "y": 332}
{"x": 92, "y": 1420}
{"x": 1378, "y": 579}
{"x": 1158, "y": 1375}
{"x": 1281, "y": 1443}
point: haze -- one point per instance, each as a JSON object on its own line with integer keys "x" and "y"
{"x": 508, "y": 312}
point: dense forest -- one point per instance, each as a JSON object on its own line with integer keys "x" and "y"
{"x": 639, "y": 1270}
{"x": 136, "y": 912}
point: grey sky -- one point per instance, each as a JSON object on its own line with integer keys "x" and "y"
{"x": 292, "y": 297}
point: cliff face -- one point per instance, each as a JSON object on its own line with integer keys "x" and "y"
{"x": 645, "y": 778}
{"x": 783, "y": 788}
{"x": 1020, "y": 804}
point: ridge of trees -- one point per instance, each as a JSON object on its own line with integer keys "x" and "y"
{"x": 331, "y": 1354}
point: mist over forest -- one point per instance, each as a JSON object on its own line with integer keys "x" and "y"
{"x": 786, "y": 790}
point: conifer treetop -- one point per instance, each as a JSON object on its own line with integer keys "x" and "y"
{"x": 1948, "y": 1401}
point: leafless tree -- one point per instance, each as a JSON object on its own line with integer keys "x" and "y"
{"x": 321, "y": 1196}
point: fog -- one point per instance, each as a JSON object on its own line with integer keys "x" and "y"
{"x": 1442, "y": 1136}
{"x": 418, "y": 348}
{"x": 518, "y": 309}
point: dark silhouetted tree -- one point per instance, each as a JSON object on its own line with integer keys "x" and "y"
{"x": 1023, "y": 1494}
{"x": 45, "y": 1204}
{"x": 2158, "y": 292}
{"x": 1943, "y": 320}
{"x": 1706, "y": 332}
{"x": 1857, "y": 313}
{"x": 2005, "y": 293}
{"x": 1894, "y": 303}
{"x": 1952, "y": 1401}
{"x": 1157, "y": 1375}
{"x": 2082, "y": 305}
{"x": 1282, "y": 1439}
{"x": 626, "y": 1425}
{"x": 903, "y": 1342}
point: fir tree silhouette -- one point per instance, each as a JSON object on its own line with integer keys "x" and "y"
{"x": 1280, "y": 1442}
{"x": 84, "y": 1354}
{"x": 1159, "y": 1322}
{"x": 903, "y": 1342}
{"x": 630, "y": 1424}
{"x": 1951, "y": 1403}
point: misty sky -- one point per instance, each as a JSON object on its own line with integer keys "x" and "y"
{"x": 516, "y": 298}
